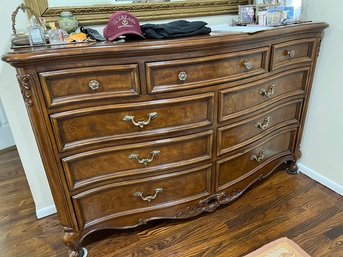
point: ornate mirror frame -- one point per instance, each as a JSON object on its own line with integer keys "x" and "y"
{"x": 143, "y": 11}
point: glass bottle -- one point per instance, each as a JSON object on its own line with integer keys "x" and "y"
{"x": 36, "y": 33}
{"x": 56, "y": 35}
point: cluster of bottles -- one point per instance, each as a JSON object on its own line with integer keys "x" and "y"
{"x": 57, "y": 33}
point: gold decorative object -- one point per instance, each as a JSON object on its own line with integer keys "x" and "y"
{"x": 150, "y": 197}
{"x": 22, "y": 39}
{"x": 145, "y": 161}
{"x": 140, "y": 124}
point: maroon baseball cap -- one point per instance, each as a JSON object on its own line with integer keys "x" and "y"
{"x": 122, "y": 23}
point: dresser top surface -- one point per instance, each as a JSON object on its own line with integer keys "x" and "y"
{"x": 34, "y": 54}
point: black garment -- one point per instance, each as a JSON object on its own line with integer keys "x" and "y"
{"x": 92, "y": 33}
{"x": 174, "y": 29}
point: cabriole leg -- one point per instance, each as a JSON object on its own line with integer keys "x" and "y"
{"x": 72, "y": 240}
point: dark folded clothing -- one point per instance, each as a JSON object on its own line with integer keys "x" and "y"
{"x": 174, "y": 29}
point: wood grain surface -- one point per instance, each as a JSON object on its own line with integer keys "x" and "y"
{"x": 284, "y": 206}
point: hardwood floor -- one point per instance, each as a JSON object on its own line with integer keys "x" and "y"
{"x": 284, "y": 206}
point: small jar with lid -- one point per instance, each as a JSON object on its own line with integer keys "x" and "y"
{"x": 68, "y": 22}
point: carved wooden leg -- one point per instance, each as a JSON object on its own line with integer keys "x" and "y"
{"x": 72, "y": 240}
{"x": 293, "y": 169}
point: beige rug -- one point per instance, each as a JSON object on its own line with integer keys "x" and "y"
{"x": 282, "y": 247}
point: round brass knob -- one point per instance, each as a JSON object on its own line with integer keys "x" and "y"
{"x": 291, "y": 53}
{"x": 249, "y": 65}
{"x": 94, "y": 85}
{"x": 182, "y": 76}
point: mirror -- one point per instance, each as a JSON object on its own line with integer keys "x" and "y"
{"x": 98, "y": 11}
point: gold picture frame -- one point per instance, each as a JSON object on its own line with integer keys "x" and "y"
{"x": 143, "y": 11}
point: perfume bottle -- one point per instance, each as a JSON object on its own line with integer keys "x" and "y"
{"x": 56, "y": 35}
{"x": 36, "y": 33}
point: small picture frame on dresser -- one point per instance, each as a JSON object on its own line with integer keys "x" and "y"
{"x": 246, "y": 14}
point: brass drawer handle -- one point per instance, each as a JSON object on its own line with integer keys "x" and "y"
{"x": 269, "y": 92}
{"x": 148, "y": 198}
{"x": 146, "y": 161}
{"x": 140, "y": 124}
{"x": 94, "y": 85}
{"x": 291, "y": 53}
{"x": 264, "y": 125}
{"x": 182, "y": 76}
{"x": 249, "y": 65}
{"x": 258, "y": 158}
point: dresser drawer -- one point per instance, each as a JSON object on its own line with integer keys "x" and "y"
{"x": 235, "y": 168}
{"x": 239, "y": 134}
{"x": 134, "y": 196}
{"x": 190, "y": 73}
{"x": 293, "y": 52}
{"x": 137, "y": 159}
{"x": 96, "y": 125}
{"x": 83, "y": 84}
{"x": 244, "y": 100}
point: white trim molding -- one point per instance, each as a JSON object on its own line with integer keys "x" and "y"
{"x": 45, "y": 212}
{"x": 320, "y": 178}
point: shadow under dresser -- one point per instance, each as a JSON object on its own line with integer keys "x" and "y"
{"x": 165, "y": 129}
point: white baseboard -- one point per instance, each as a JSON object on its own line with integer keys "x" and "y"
{"x": 320, "y": 178}
{"x": 47, "y": 211}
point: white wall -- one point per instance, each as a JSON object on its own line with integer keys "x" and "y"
{"x": 322, "y": 144}
{"x": 16, "y": 113}
{"x": 6, "y": 137}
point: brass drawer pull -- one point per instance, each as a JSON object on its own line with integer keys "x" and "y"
{"x": 146, "y": 161}
{"x": 182, "y": 76}
{"x": 263, "y": 125}
{"x": 94, "y": 85}
{"x": 258, "y": 158}
{"x": 140, "y": 124}
{"x": 291, "y": 53}
{"x": 148, "y": 198}
{"x": 249, "y": 65}
{"x": 269, "y": 92}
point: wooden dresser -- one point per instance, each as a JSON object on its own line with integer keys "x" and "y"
{"x": 136, "y": 131}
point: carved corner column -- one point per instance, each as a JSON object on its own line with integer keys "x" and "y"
{"x": 28, "y": 81}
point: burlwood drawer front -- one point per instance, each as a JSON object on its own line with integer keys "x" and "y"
{"x": 238, "y": 101}
{"x": 292, "y": 52}
{"x": 237, "y": 167}
{"x": 176, "y": 75}
{"x": 243, "y": 133}
{"x": 87, "y": 126}
{"x": 135, "y": 196}
{"x": 82, "y": 84}
{"x": 114, "y": 162}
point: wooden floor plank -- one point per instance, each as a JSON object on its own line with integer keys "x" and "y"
{"x": 284, "y": 206}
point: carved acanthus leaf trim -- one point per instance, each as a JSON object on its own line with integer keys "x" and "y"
{"x": 210, "y": 204}
{"x": 26, "y": 82}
